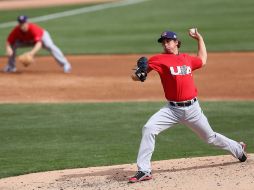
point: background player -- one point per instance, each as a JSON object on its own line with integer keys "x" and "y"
{"x": 175, "y": 70}
{"x": 27, "y": 34}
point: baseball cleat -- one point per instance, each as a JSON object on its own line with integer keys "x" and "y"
{"x": 67, "y": 68}
{"x": 244, "y": 156}
{"x": 140, "y": 176}
{"x": 9, "y": 69}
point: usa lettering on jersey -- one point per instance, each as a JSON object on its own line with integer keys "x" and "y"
{"x": 180, "y": 70}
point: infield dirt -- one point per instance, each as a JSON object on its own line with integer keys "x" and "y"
{"x": 227, "y": 76}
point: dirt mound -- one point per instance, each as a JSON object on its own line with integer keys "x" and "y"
{"x": 206, "y": 173}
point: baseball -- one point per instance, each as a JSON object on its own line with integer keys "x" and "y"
{"x": 192, "y": 30}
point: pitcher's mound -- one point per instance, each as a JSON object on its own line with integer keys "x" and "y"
{"x": 206, "y": 173}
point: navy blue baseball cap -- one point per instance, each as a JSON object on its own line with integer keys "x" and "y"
{"x": 22, "y": 19}
{"x": 167, "y": 35}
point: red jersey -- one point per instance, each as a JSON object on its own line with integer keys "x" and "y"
{"x": 33, "y": 35}
{"x": 176, "y": 75}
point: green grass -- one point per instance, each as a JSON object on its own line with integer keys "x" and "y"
{"x": 226, "y": 26}
{"x": 41, "y": 137}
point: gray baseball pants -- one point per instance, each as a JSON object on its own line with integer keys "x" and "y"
{"x": 191, "y": 116}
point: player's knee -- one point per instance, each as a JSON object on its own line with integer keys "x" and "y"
{"x": 148, "y": 130}
{"x": 211, "y": 139}
{"x": 49, "y": 46}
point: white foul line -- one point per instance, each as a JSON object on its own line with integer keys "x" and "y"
{"x": 76, "y": 12}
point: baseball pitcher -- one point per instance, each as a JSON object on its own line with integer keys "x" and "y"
{"x": 176, "y": 73}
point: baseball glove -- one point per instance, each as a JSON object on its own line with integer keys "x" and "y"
{"x": 141, "y": 70}
{"x": 26, "y": 59}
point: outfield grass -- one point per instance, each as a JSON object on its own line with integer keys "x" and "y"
{"x": 41, "y": 137}
{"x": 226, "y": 25}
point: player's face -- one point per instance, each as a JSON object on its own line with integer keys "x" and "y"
{"x": 170, "y": 46}
{"x": 24, "y": 27}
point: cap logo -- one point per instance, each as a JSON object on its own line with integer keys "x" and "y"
{"x": 164, "y": 34}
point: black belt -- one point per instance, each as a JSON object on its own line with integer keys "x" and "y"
{"x": 183, "y": 104}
